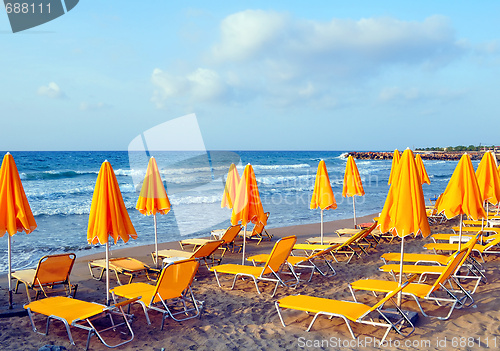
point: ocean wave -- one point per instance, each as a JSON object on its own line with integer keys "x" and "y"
{"x": 47, "y": 175}
{"x": 278, "y": 167}
{"x": 287, "y": 180}
{"x": 343, "y": 156}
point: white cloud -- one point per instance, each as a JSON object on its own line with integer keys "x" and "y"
{"x": 52, "y": 91}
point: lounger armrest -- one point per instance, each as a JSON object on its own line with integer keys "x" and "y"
{"x": 125, "y": 303}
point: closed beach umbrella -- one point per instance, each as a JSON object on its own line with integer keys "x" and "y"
{"x": 352, "y": 183}
{"x": 108, "y": 215}
{"x": 247, "y": 206}
{"x": 232, "y": 181}
{"x": 322, "y": 196}
{"x": 462, "y": 194}
{"x": 395, "y": 162}
{"x": 15, "y": 211}
{"x": 488, "y": 180}
{"x": 422, "y": 172}
{"x": 153, "y": 198}
{"x": 404, "y": 209}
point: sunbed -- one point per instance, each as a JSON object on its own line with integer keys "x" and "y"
{"x": 228, "y": 238}
{"x": 82, "y": 314}
{"x": 172, "y": 295}
{"x": 205, "y": 253}
{"x": 348, "y": 311}
{"x": 51, "y": 271}
{"x": 270, "y": 272}
{"x": 128, "y": 266}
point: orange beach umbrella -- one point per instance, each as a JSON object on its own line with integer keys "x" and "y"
{"x": 352, "y": 183}
{"x": 108, "y": 214}
{"x": 422, "y": 172}
{"x": 404, "y": 209}
{"x": 488, "y": 179}
{"x": 322, "y": 196}
{"x": 395, "y": 162}
{"x": 247, "y": 206}
{"x": 462, "y": 194}
{"x": 15, "y": 211}
{"x": 232, "y": 181}
{"x": 153, "y": 198}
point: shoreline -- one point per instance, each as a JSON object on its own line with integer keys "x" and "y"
{"x": 426, "y": 155}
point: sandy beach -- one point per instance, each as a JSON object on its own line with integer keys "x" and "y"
{"x": 243, "y": 319}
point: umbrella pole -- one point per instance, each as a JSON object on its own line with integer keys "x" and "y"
{"x": 156, "y": 243}
{"x": 460, "y": 234}
{"x": 9, "y": 258}
{"x": 321, "y": 227}
{"x": 107, "y": 273}
{"x": 354, "y": 208}
{"x": 244, "y": 241}
{"x": 401, "y": 269}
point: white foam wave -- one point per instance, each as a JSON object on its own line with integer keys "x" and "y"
{"x": 278, "y": 167}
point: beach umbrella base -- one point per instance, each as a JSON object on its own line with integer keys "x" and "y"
{"x": 394, "y": 316}
{"x": 17, "y": 310}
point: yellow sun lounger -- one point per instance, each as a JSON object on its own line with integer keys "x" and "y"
{"x": 228, "y": 239}
{"x": 52, "y": 270}
{"x": 269, "y": 272}
{"x": 128, "y": 266}
{"x": 489, "y": 247}
{"x": 348, "y": 311}
{"x": 81, "y": 314}
{"x": 427, "y": 292}
{"x": 259, "y": 231}
{"x": 309, "y": 262}
{"x": 172, "y": 295}
{"x": 204, "y": 253}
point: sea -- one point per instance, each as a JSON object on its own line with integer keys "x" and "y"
{"x": 59, "y": 187}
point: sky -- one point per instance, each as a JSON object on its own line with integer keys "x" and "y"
{"x": 259, "y": 75}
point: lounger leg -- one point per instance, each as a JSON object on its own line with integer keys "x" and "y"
{"x": 279, "y": 313}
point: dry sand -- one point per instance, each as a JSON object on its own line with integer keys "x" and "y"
{"x": 243, "y": 319}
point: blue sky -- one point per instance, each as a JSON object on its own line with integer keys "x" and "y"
{"x": 260, "y": 75}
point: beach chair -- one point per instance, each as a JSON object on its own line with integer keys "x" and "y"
{"x": 228, "y": 239}
{"x": 270, "y": 272}
{"x": 172, "y": 295}
{"x": 205, "y": 253}
{"x": 424, "y": 291}
{"x": 51, "y": 271}
{"x": 127, "y": 266}
{"x": 307, "y": 262}
{"x": 491, "y": 247}
{"x": 83, "y": 315}
{"x": 350, "y": 311}
{"x": 259, "y": 231}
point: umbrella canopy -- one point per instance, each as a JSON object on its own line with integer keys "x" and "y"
{"x": 15, "y": 211}
{"x": 108, "y": 214}
{"x": 404, "y": 209}
{"x": 462, "y": 194}
{"x": 153, "y": 198}
{"x": 422, "y": 172}
{"x": 488, "y": 179}
{"x": 322, "y": 196}
{"x": 247, "y": 206}
{"x": 352, "y": 183}
{"x": 232, "y": 181}
{"x": 395, "y": 162}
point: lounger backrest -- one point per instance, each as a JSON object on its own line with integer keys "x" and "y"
{"x": 231, "y": 233}
{"x": 452, "y": 266}
{"x": 259, "y": 226}
{"x": 53, "y": 269}
{"x": 174, "y": 279}
{"x": 207, "y": 249}
{"x": 359, "y": 235}
{"x": 279, "y": 254}
{"x": 388, "y": 297}
{"x": 493, "y": 242}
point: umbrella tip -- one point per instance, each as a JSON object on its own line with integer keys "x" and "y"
{"x": 8, "y": 153}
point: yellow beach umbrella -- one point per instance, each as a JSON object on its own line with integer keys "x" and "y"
{"x": 15, "y": 211}
{"x": 404, "y": 209}
{"x": 462, "y": 194}
{"x": 395, "y": 162}
{"x": 232, "y": 181}
{"x": 247, "y": 206}
{"x": 108, "y": 215}
{"x": 322, "y": 196}
{"x": 352, "y": 183}
{"x": 488, "y": 179}
{"x": 422, "y": 172}
{"x": 153, "y": 198}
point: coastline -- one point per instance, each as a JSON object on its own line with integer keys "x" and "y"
{"x": 241, "y": 318}
{"x": 426, "y": 155}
